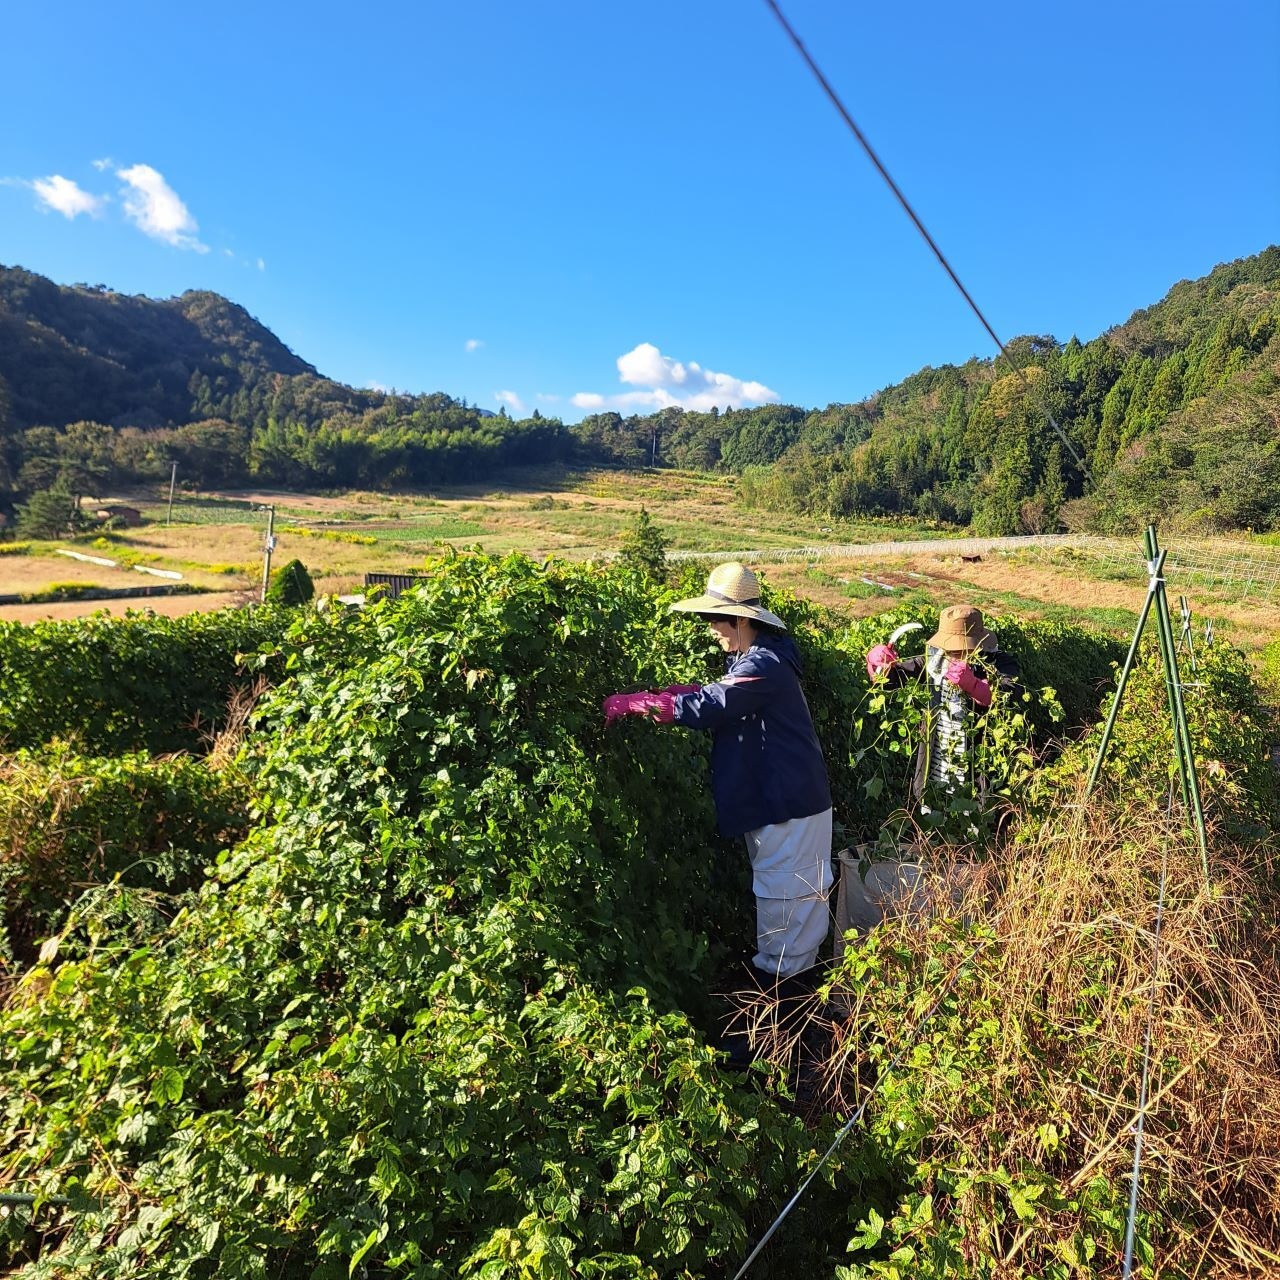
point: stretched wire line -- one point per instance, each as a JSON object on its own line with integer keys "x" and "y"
{"x": 915, "y": 218}
{"x": 1139, "y": 1126}
{"x": 848, "y": 1125}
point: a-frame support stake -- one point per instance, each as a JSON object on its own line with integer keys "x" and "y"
{"x": 1173, "y": 687}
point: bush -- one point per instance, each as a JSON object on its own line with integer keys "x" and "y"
{"x": 1009, "y": 1127}
{"x": 443, "y": 1013}
{"x": 68, "y": 823}
{"x": 1231, "y": 728}
{"x": 290, "y": 585}
{"x": 644, "y": 548}
{"x": 427, "y": 1021}
{"x": 139, "y": 682}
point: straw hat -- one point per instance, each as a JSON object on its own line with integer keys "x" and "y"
{"x": 961, "y": 630}
{"x": 733, "y": 591}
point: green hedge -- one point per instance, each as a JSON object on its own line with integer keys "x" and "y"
{"x": 136, "y": 683}
{"x": 444, "y": 1012}
{"x": 68, "y": 823}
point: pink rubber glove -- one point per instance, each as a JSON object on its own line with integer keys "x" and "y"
{"x": 880, "y": 660}
{"x": 965, "y": 678}
{"x": 660, "y": 706}
{"x": 673, "y": 689}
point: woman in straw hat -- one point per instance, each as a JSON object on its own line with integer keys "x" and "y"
{"x": 768, "y": 778}
{"x": 959, "y": 691}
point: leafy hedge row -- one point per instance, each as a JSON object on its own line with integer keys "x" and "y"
{"x": 140, "y": 682}
{"x": 444, "y": 1012}
{"x": 68, "y": 823}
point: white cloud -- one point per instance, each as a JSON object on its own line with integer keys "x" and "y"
{"x": 102, "y": 165}
{"x": 547, "y": 397}
{"x": 510, "y": 398}
{"x": 375, "y": 386}
{"x": 155, "y": 208}
{"x": 66, "y": 197}
{"x": 473, "y": 344}
{"x": 667, "y": 383}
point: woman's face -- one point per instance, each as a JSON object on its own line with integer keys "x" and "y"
{"x": 734, "y": 635}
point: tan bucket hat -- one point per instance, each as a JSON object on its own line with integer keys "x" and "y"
{"x": 733, "y": 591}
{"x": 961, "y": 630}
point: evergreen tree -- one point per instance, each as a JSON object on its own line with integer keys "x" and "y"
{"x": 644, "y": 548}
{"x": 50, "y": 513}
{"x": 290, "y": 585}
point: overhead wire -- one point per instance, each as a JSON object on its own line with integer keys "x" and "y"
{"x": 1139, "y": 1129}
{"x": 863, "y": 141}
{"x": 857, "y": 1115}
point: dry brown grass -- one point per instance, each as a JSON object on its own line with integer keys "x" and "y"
{"x": 1067, "y": 973}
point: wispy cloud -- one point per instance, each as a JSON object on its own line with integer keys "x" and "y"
{"x": 67, "y": 197}
{"x": 510, "y": 398}
{"x": 262, "y": 265}
{"x": 156, "y": 210}
{"x": 665, "y": 382}
{"x": 102, "y": 165}
{"x": 473, "y": 344}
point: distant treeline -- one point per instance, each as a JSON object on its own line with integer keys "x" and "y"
{"x": 1175, "y": 414}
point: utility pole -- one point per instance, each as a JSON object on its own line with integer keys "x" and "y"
{"x": 173, "y": 475}
{"x": 270, "y": 547}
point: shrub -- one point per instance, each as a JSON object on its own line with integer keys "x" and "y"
{"x": 426, "y": 1022}
{"x": 290, "y": 585}
{"x": 443, "y": 1012}
{"x": 68, "y": 823}
{"x": 1009, "y": 1126}
{"x": 644, "y": 548}
{"x": 138, "y": 682}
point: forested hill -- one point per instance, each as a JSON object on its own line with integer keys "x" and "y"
{"x": 1175, "y": 413}
{"x": 86, "y": 353}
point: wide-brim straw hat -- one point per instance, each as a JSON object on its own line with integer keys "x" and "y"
{"x": 961, "y": 630}
{"x": 733, "y": 591}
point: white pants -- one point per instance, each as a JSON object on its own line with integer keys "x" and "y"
{"x": 791, "y": 876}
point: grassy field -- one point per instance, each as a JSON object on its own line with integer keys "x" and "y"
{"x": 215, "y": 541}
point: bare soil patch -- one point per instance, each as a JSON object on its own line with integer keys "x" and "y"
{"x": 167, "y": 606}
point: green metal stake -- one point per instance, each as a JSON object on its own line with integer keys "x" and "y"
{"x": 1165, "y": 637}
{"x": 1181, "y": 730}
{"x": 1190, "y": 784}
{"x": 1154, "y": 570}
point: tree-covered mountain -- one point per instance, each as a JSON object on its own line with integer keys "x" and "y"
{"x": 1172, "y": 415}
{"x": 87, "y": 354}
{"x": 99, "y": 389}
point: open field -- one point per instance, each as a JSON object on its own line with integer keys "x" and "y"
{"x": 216, "y": 540}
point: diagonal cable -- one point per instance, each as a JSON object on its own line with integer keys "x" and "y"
{"x": 920, "y": 227}
{"x": 848, "y": 1125}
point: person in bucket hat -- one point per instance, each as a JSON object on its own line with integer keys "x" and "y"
{"x": 961, "y": 660}
{"x": 768, "y": 777}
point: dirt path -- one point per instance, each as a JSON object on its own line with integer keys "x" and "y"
{"x": 169, "y": 606}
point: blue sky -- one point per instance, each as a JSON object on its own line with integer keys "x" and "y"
{"x": 569, "y": 205}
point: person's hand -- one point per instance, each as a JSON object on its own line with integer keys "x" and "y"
{"x": 880, "y": 660}
{"x": 661, "y": 706}
{"x": 967, "y": 680}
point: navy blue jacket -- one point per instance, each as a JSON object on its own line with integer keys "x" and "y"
{"x": 766, "y": 764}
